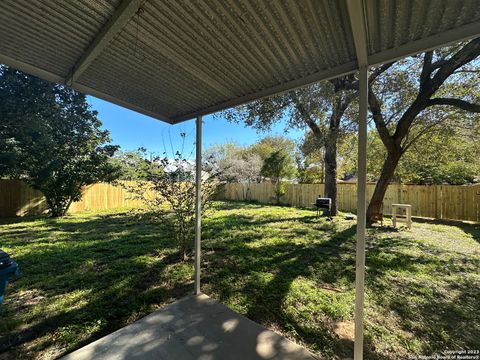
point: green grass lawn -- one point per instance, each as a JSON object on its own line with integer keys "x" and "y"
{"x": 87, "y": 275}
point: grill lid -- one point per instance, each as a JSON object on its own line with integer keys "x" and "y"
{"x": 323, "y": 201}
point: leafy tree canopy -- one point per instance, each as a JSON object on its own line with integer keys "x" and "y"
{"x": 410, "y": 97}
{"x": 306, "y": 107}
{"x": 448, "y": 154}
{"x": 277, "y": 166}
{"x": 50, "y": 138}
{"x": 235, "y": 163}
{"x": 134, "y": 164}
{"x": 270, "y": 144}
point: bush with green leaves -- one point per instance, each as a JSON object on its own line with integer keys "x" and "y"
{"x": 277, "y": 166}
{"x": 51, "y": 139}
{"x": 169, "y": 195}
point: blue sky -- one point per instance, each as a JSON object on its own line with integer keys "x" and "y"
{"x": 132, "y": 130}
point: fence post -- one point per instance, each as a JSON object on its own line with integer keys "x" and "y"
{"x": 438, "y": 201}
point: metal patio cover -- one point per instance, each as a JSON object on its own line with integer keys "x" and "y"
{"x": 177, "y": 59}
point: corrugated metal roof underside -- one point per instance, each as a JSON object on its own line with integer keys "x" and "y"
{"x": 392, "y": 23}
{"x": 175, "y": 59}
{"x": 51, "y": 35}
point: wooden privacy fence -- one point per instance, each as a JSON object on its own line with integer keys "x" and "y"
{"x": 433, "y": 201}
{"x": 19, "y": 199}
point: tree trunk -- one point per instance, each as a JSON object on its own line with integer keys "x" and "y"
{"x": 331, "y": 169}
{"x": 323, "y": 167}
{"x": 55, "y": 207}
{"x": 277, "y": 191}
{"x": 374, "y": 212}
{"x": 65, "y": 210}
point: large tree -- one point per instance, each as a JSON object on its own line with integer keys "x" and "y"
{"x": 269, "y": 144}
{"x": 409, "y": 98}
{"x": 310, "y": 158}
{"x": 448, "y": 154}
{"x": 235, "y": 163}
{"x": 319, "y": 107}
{"x": 134, "y": 164}
{"x": 50, "y": 138}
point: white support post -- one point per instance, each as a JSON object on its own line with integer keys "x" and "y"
{"x": 198, "y": 203}
{"x": 361, "y": 213}
{"x": 356, "y": 12}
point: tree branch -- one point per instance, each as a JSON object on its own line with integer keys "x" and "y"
{"x": 467, "y": 71}
{"x": 466, "y": 54}
{"x": 351, "y": 83}
{"x": 458, "y": 103}
{"x": 426, "y": 69}
{"x": 377, "y": 115}
{"x": 463, "y": 56}
{"x": 306, "y": 117}
{"x": 376, "y": 72}
{"x": 340, "y": 105}
{"x": 422, "y": 132}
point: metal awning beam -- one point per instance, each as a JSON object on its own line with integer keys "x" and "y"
{"x": 445, "y": 38}
{"x": 121, "y": 16}
{"x": 338, "y": 71}
{"x": 48, "y": 76}
{"x": 466, "y": 32}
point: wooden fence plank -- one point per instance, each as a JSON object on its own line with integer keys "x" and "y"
{"x": 433, "y": 201}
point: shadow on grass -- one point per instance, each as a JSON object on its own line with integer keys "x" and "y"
{"x": 130, "y": 267}
{"x": 287, "y": 262}
{"x": 434, "y": 293}
{"x": 435, "y": 318}
{"x": 123, "y": 266}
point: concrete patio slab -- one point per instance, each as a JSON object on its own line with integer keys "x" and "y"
{"x": 194, "y": 327}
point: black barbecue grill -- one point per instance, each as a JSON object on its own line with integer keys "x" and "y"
{"x": 323, "y": 205}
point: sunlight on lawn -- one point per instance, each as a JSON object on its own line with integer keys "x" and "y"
{"x": 89, "y": 274}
